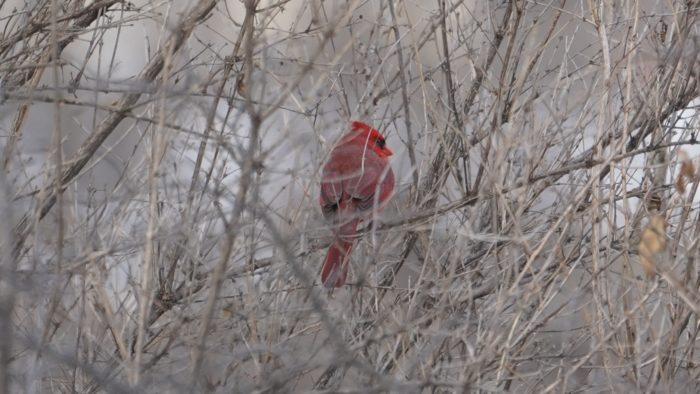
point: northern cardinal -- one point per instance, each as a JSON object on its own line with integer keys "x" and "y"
{"x": 357, "y": 181}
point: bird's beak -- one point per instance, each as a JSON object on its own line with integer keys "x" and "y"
{"x": 387, "y": 151}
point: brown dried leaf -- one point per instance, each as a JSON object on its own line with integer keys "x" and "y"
{"x": 654, "y": 201}
{"x": 687, "y": 168}
{"x": 227, "y": 311}
{"x": 241, "y": 86}
{"x": 686, "y": 173}
{"x": 653, "y": 242}
{"x": 680, "y": 184}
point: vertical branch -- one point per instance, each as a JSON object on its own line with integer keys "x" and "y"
{"x": 627, "y": 302}
{"x": 404, "y": 95}
{"x": 57, "y": 148}
{"x": 244, "y": 184}
{"x": 146, "y": 289}
{"x": 599, "y": 19}
{"x": 8, "y": 281}
{"x": 57, "y": 135}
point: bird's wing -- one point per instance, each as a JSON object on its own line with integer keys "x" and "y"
{"x": 354, "y": 173}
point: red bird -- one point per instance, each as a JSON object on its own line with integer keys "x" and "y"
{"x": 357, "y": 181}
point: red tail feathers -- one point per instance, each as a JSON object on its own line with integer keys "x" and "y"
{"x": 335, "y": 267}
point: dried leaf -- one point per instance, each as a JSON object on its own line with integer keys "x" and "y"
{"x": 680, "y": 184}
{"x": 241, "y": 86}
{"x": 653, "y": 242}
{"x": 654, "y": 202}
{"x": 662, "y": 29}
{"x": 687, "y": 168}
{"x": 227, "y": 311}
{"x": 686, "y": 173}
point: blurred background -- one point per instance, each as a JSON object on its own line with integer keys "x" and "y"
{"x": 161, "y": 229}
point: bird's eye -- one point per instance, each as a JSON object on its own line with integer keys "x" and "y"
{"x": 380, "y": 143}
